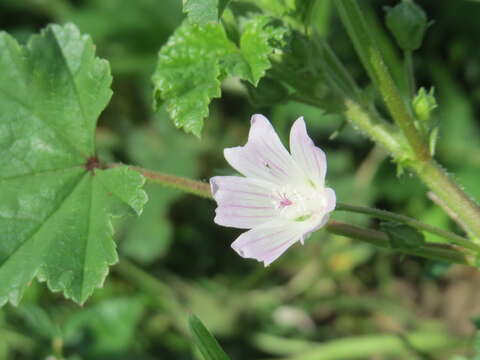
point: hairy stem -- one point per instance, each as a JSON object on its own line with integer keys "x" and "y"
{"x": 357, "y": 28}
{"x": 439, "y": 202}
{"x": 194, "y": 187}
{"x": 379, "y": 131}
{"x": 380, "y": 239}
{"x": 446, "y": 189}
{"x": 452, "y": 195}
{"x": 202, "y": 189}
{"x": 397, "y": 107}
{"x": 416, "y": 155}
{"x": 387, "y": 215}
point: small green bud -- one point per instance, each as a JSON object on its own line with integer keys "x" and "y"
{"x": 424, "y": 103}
{"x": 408, "y": 23}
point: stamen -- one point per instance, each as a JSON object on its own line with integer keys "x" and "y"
{"x": 285, "y": 202}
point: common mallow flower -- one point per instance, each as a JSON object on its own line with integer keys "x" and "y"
{"x": 282, "y": 197}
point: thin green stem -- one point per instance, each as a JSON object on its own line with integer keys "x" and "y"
{"x": 336, "y": 74}
{"x": 387, "y": 215}
{"x": 379, "y": 131}
{"x": 380, "y": 239}
{"x": 467, "y": 210}
{"x": 408, "y": 345}
{"x": 436, "y": 178}
{"x": 397, "y": 107}
{"x": 410, "y": 74}
{"x": 416, "y": 155}
{"x": 354, "y": 22}
{"x": 194, "y": 187}
{"x": 372, "y": 59}
{"x": 202, "y": 189}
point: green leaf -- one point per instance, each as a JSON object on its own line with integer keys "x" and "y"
{"x": 402, "y": 236}
{"x": 257, "y": 43}
{"x": 195, "y": 60}
{"x": 188, "y": 73}
{"x": 204, "y": 11}
{"x": 56, "y": 203}
{"x": 205, "y": 341}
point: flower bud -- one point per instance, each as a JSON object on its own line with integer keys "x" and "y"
{"x": 424, "y": 103}
{"x": 407, "y": 22}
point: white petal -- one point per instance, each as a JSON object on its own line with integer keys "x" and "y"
{"x": 322, "y": 222}
{"x": 330, "y": 203}
{"x": 242, "y": 202}
{"x": 268, "y": 241}
{"x": 309, "y": 158}
{"x": 331, "y": 200}
{"x": 264, "y": 156}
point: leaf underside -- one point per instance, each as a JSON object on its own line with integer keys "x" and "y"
{"x": 55, "y": 210}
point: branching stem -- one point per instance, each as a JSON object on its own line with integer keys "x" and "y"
{"x": 415, "y": 154}
{"x": 202, "y": 189}
{"x": 378, "y": 238}
{"x": 387, "y": 215}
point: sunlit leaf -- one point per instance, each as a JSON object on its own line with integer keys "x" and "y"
{"x": 204, "y": 11}
{"x": 56, "y": 203}
{"x": 195, "y": 60}
{"x": 257, "y": 43}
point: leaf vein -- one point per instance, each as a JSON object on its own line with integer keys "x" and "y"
{"x": 43, "y": 223}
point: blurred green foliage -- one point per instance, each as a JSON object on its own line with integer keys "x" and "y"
{"x": 333, "y": 298}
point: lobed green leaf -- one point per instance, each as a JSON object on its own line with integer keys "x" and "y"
{"x": 195, "y": 60}
{"x": 257, "y": 44}
{"x": 56, "y": 203}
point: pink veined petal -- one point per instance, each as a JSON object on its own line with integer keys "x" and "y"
{"x": 267, "y": 242}
{"x": 309, "y": 158}
{"x": 242, "y": 202}
{"x": 263, "y": 156}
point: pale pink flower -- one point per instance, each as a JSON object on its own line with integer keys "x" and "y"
{"x": 281, "y": 199}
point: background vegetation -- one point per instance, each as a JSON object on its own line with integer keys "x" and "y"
{"x": 334, "y": 298}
